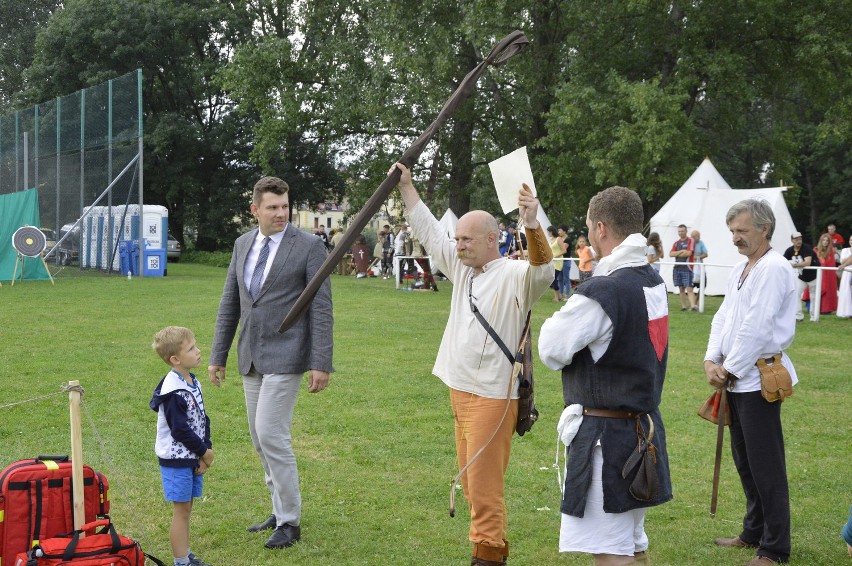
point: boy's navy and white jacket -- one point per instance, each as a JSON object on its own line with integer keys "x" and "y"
{"x": 183, "y": 428}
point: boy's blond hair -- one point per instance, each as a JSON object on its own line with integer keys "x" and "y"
{"x": 169, "y": 340}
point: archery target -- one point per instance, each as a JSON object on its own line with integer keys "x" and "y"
{"x": 29, "y": 241}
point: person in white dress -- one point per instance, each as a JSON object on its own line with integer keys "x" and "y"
{"x": 844, "y": 293}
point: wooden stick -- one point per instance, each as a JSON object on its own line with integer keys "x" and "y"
{"x": 76, "y": 455}
{"x": 19, "y": 258}
{"x": 500, "y": 53}
{"x": 720, "y": 440}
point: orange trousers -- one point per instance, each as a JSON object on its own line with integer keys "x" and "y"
{"x": 476, "y": 418}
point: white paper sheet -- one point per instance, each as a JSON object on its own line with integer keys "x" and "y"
{"x": 509, "y": 173}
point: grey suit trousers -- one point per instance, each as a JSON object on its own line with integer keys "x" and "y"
{"x": 270, "y": 401}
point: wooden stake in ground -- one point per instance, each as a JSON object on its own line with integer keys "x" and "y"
{"x": 74, "y": 396}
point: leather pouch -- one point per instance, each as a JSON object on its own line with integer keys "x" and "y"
{"x": 709, "y": 409}
{"x": 775, "y": 381}
{"x": 645, "y": 485}
{"x": 527, "y": 413}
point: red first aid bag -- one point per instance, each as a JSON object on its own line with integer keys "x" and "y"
{"x": 102, "y": 548}
{"x": 36, "y": 502}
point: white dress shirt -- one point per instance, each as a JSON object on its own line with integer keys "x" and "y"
{"x": 468, "y": 359}
{"x": 254, "y": 252}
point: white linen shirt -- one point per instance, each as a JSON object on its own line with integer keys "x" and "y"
{"x": 758, "y": 320}
{"x": 468, "y": 359}
{"x": 582, "y": 321}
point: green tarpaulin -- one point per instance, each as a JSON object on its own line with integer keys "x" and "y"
{"x": 17, "y": 210}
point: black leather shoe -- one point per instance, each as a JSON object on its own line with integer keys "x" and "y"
{"x": 284, "y": 536}
{"x": 264, "y": 526}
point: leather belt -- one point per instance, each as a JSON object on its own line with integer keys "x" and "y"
{"x": 607, "y": 413}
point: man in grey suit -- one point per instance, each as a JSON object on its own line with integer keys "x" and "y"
{"x": 270, "y": 267}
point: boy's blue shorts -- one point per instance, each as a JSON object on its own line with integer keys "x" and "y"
{"x": 181, "y": 484}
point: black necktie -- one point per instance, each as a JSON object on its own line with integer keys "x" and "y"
{"x": 257, "y": 276}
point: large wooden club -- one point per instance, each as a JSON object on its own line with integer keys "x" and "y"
{"x": 502, "y": 52}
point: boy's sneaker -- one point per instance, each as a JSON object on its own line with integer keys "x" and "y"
{"x": 196, "y": 561}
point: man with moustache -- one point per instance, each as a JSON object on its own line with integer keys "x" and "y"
{"x": 483, "y": 395}
{"x": 757, "y": 319}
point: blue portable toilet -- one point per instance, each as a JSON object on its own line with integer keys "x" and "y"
{"x": 153, "y": 262}
{"x": 104, "y": 226}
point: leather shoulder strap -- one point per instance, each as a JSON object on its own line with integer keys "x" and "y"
{"x": 492, "y": 333}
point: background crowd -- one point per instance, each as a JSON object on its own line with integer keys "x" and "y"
{"x": 688, "y": 253}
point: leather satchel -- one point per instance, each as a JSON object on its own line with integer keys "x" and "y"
{"x": 775, "y": 381}
{"x": 527, "y": 413}
{"x": 709, "y": 409}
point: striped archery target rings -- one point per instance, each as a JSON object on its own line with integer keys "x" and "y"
{"x": 29, "y": 241}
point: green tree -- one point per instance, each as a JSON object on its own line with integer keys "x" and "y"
{"x": 651, "y": 88}
{"x": 327, "y": 93}
{"x": 362, "y": 80}
{"x": 323, "y": 95}
{"x": 195, "y": 154}
{"x": 19, "y": 23}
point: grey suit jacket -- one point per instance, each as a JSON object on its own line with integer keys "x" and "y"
{"x": 308, "y": 343}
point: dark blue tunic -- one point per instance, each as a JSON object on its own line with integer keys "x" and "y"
{"x": 628, "y": 377}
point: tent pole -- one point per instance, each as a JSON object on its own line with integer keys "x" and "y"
{"x": 816, "y": 301}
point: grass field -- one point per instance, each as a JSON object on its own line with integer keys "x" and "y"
{"x": 375, "y": 450}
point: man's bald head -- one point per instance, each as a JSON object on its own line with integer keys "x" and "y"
{"x": 476, "y": 239}
{"x": 481, "y": 221}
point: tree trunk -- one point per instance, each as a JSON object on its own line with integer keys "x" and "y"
{"x": 461, "y": 159}
{"x": 812, "y": 211}
{"x": 460, "y": 146}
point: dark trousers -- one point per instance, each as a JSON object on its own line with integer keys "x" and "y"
{"x": 757, "y": 445}
{"x": 387, "y": 261}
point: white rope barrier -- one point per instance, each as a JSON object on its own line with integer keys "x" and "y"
{"x": 815, "y": 301}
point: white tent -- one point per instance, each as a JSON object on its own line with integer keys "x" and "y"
{"x": 701, "y": 204}
{"x": 449, "y": 221}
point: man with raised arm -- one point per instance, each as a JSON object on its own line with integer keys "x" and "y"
{"x": 483, "y": 395}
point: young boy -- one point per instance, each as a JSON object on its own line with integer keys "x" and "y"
{"x": 183, "y": 434}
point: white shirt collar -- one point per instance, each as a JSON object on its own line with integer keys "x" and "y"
{"x": 276, "y": 238}
{"x": 629, "y": 253}
{"x": 492, "y": 264}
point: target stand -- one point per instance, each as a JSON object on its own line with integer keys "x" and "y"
{"x": 29, "y": 241}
